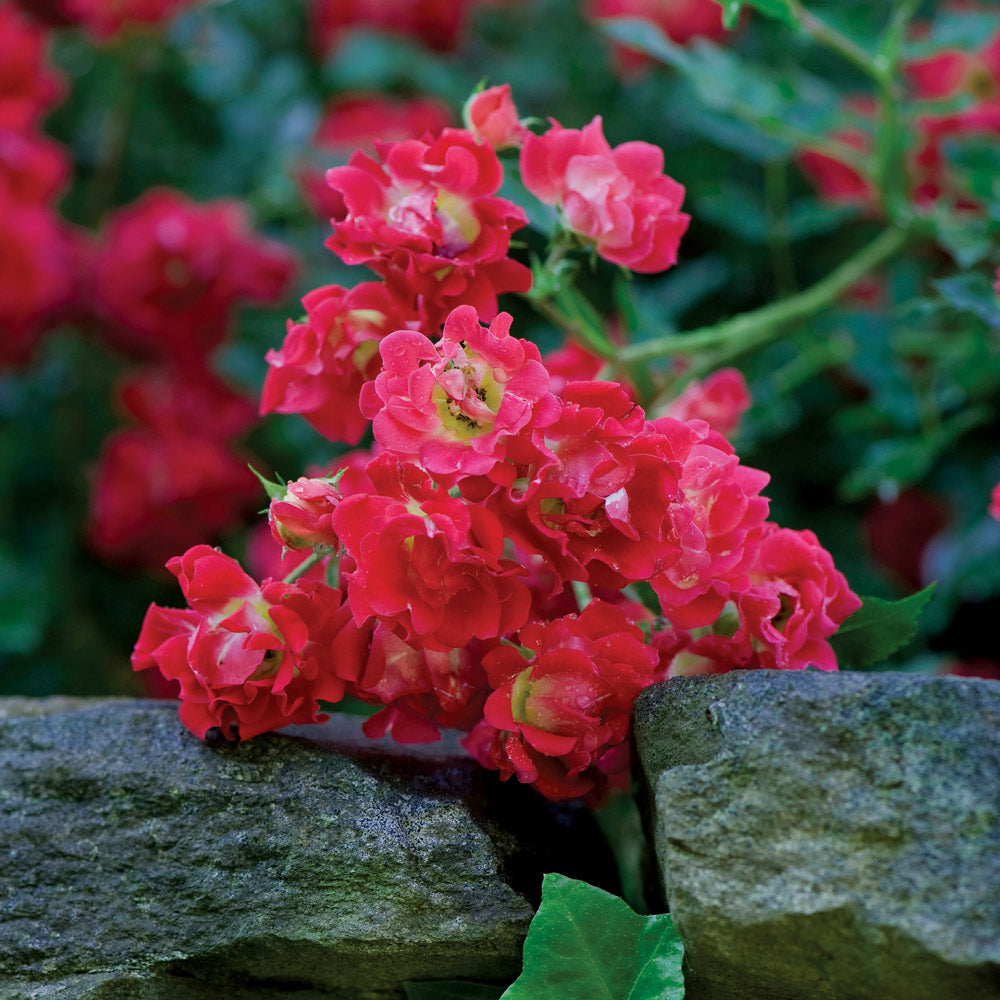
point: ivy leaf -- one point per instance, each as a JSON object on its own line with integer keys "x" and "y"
{"x": 877, "y": 629}
{"x": 587, "y": 944}
{"x": 451, "y": 989}
{"x": 780, "y": 9}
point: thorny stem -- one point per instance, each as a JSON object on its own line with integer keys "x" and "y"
{"x": 757, "y": 327}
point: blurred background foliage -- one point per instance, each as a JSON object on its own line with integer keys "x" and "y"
{"x": 877, "y": 420}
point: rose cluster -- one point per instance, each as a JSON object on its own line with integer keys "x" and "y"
{"x": 37, "y": 263}
{"x": 165, "y": 277}
{"x": 158, "y": 282}
{"x": 521, "y": 550}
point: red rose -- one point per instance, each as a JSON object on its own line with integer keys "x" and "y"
{"x": 434, "y": 23}
{"x": 427, "y": 220}
{"x": 35, "y": 273}
{"x": 456, "y": 402}
{"x": 423, "y": 690}
{"x": 106, "y": 18}
{"x": 154, "y": 495}
{"x": 490, "y": 115}
{"x": 720, "y": 400}
{"x": 249, "y": 658}
{"x": 560, "y": 719}
{"x": 191, "y": 400}
{"x": 427, "y": 564}
{"x": 796, "y": 601}
{"x": 619, "y": 200}
{"x": 33, "y": 168}
{"x": 325, "y": 361}
{"x": 28, "y": 86}
{"x": 168, "y": 273}
{"x": 357, "y": 121}
{"x": 679, "y": 20}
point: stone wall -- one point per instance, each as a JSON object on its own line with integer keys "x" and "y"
{"x": 817, "y": 836}
{"x": 828, "y": 836}
{"x": 140, "y": 863}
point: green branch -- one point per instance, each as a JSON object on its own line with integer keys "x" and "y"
{"x": 752, "y": 329}
{"x": 819, "y": 31}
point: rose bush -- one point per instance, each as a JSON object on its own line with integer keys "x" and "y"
{"x": 568, "y": 352}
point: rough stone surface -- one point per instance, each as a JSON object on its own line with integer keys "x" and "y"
{"x": 829, "y": 836}
{"x": 141, "y": 864}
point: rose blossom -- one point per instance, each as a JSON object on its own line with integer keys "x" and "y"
{"x": 423, "y": 690}
{"x": 490, "y": 115}
{"x": 427, "y": 564}
{"x": 796, "y": 600}
{"x": 358, "y": 121}
{"x": 454, "y": 403}
{"x": 28, "y": 85}
{"x": 168, "y": 273}
{"x": 560, "y": 719}
{"x": 720, "y": 400}
{"x": 712, "y": 526}
{"x": 572, "y": 362}
{"x": 301, "y": 518}
{"x": 33, "y": 167}
{"x": 680, "y": 20}
{"x": 617, "y": 199}
{"x": 249, "y": 658}
{"x": 155, "y": 494}
{"x": 190, "y": 399}
{"x": 898, "y": 533}
{"x": 107, "y": 18}
{"x": 35, "y": 273}
{"x": 330, "y": 355}
{"x": 434, "y": 23}
{"x": 427, "y": 220}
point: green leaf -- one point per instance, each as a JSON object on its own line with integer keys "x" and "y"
{"x": 877, "y": 629}
{"x": 966, "y": 236}
{"x": 275, "y": 490}
{"x": 780, "y": 9}
{"x": 452, "y": 989}
{"x": 972, "y": 292}
{"x": 786, "y": 106}
{"x": 586, "y": 944}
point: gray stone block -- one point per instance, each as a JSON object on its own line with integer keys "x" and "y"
{"x": 141, "y": 864}
{"x": 828, "y": 836}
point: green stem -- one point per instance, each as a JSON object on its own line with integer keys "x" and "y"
{"x": 752, "y": 329}
{"x": 113, "y": 141}
{"x": 890, "y": 162}
{"x": 582, "y": 594}
{"x": 829, "y": 37}
{"x": 304, "y": 566}
{"x": 779, "y": 245}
